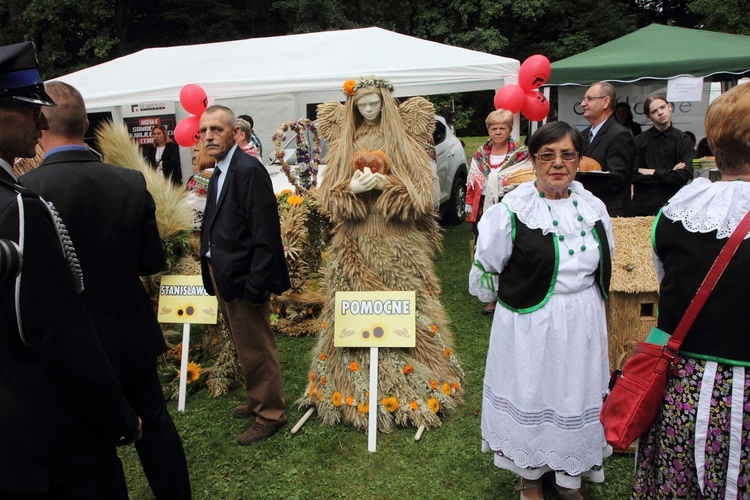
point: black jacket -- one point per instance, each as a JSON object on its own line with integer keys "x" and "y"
{"x": 170, "y": 161}
{"x": 110, "y": 218}
{"x": 614, "y": 149}
{"x": 62, "y": 410}
{"x": 243, "y": 229}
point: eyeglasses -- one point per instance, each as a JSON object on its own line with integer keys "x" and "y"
{"x": 587, "y": 98}
{"x": 549, "y": 157}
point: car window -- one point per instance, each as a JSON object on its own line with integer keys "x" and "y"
{"x": 439, "y": 134}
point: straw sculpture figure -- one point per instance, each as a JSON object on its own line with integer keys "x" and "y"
{"x": 382, "y": 241}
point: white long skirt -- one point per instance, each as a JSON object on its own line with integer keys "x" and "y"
{"x": 545, "y": 377}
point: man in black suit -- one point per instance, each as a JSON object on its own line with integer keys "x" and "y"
{"x": 612, "y": 146}
{"x": 110, "y": 218}
{"x": 61, "y": 409}
{"x": 242, "y": 261}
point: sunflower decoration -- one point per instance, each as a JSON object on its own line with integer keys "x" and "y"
{"x": 193, "y": 372}
{"x": 304, "y": 232}
{"x": 390, "y": 404}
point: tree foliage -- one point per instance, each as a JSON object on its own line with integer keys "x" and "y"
{"x": 72, "y": 34}
{"x": 728, "y": 16}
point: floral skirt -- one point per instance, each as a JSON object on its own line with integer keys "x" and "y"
{"x": 667, "y": 465}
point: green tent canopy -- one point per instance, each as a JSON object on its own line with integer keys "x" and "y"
{"x": 657, "y": 52}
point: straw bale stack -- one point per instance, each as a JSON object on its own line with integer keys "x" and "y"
{"x": 634, "y": 290}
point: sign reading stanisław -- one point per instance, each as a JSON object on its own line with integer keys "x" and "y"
{"x": 375, "y": 319}
{"x": 182, "y": 299}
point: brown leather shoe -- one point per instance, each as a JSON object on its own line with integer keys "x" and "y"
{"x": 243, "y": 411}
{"x": 259, "y": 432}
{"x": 531, "y": 490}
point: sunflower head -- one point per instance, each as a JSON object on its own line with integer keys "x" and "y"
{"x": 433, "y": 404}
{"x": 390, "y": 404}
{"x": 336, "y": 399}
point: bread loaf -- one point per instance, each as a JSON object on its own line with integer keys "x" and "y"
{"x": 589, "y": 165}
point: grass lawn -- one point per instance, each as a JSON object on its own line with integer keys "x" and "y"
{"x": 333, "y": 462}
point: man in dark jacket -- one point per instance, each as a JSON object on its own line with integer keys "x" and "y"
{"x": 610, "y": 144}
{"x": 62, "y": 411}
{"x": 242, "y": 260}
{"x": 110, "y": 218}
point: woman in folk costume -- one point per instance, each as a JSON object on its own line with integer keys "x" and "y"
{"x": 698, "y": 445}
{"x": 498, "y": 153}
{"x": 544, "y": 254}
{"x": 378, "y": 192}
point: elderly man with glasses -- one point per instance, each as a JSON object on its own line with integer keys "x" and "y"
{"x": 612, "y": 146}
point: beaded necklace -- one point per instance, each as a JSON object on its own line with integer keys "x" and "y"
{"x": 556, "y": 224}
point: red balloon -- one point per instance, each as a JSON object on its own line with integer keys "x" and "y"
{"x": 187, "y": 131}
{"x": 536, "y": 107}
{"x": 534, "y": 72}
{"x": 193, "y": 98}
{"x": 510, "y": 97}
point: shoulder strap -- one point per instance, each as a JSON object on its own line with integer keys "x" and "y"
{"x": 709, "y": 282}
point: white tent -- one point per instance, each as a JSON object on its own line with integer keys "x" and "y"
{"x": 273, "y": 79}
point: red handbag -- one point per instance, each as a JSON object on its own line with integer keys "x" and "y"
{"x": 636, "y": 392}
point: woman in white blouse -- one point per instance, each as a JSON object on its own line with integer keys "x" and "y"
{"x": 543, "y": 253}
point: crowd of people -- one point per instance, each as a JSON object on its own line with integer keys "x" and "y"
{"x": 76, "y": 234}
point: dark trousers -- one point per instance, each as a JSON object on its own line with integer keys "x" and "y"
{"x": 160, "y": 449}
{"x": 108, "y": 483}
{"x": 250, "y": 326}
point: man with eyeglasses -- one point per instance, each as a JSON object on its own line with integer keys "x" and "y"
{"x": 62, "y": 409}
{"x": 612, "y": 146}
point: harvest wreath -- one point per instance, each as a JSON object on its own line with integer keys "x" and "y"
{"x": 306, "y": 171}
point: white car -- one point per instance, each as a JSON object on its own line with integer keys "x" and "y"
{"x": 450, "y": 185}
{"x": 451, "y": 173}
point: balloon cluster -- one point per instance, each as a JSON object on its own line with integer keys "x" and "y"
{"x": 525, "y": 97}
{"x": 193, "y": 98}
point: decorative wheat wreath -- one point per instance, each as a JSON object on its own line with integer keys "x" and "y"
{"x": 307, "y": 165}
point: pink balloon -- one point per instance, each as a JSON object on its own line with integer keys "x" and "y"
{"x": 187, "y": 132}
{"x": 536, "y": 107}
{"x": 510, "y": 97}
{"x": 193, "y": 98}
{"x": 534, "y": 72}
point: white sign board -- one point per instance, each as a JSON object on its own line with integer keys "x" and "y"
{"x": 685, "y": 88}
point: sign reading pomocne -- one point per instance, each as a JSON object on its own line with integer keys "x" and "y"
{"x": 375, "y": 319}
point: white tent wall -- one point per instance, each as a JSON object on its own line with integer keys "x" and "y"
{"x": 273, "y": 79}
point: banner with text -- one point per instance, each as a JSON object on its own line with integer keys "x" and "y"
{"x": 143, "y": 117}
